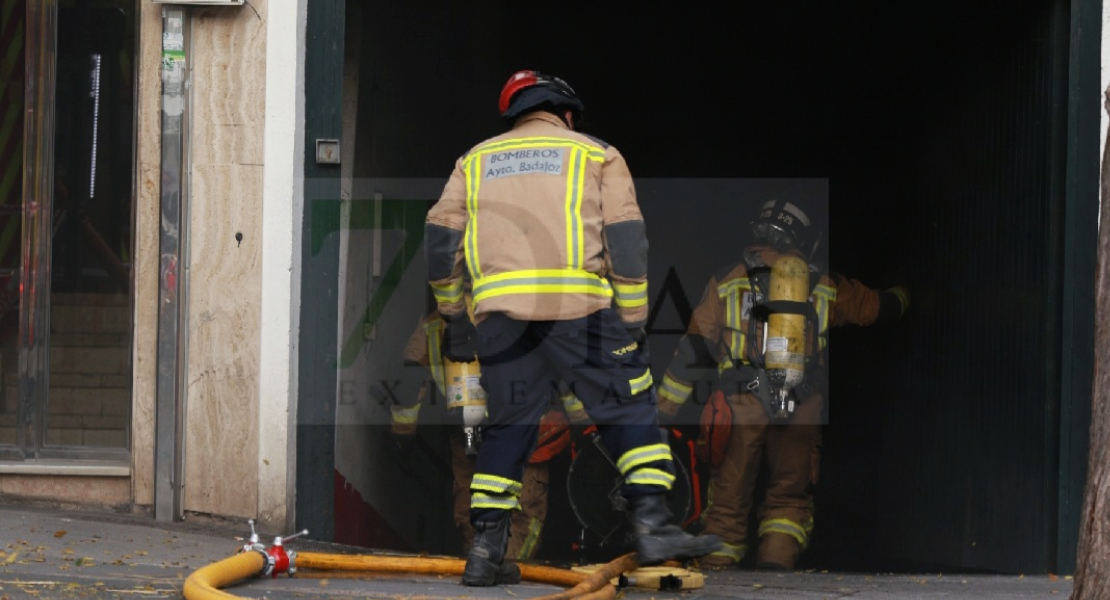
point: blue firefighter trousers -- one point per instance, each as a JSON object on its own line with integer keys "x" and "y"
{"x": 522, "y": 363}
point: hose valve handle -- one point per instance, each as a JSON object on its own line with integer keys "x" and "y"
{"x": 279, "y": 540}
{"x": 254, "y": 534}
{"x": 283, "y": 562}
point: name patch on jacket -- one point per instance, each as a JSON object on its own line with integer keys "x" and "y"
{"x": 544, "y": 161}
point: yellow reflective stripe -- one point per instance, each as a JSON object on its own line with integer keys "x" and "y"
{"x": 495, "y": 484}
{"x": 573, "y": 210}
{"x": 568, "y": 213}
{"x": 724, "y": 365}
{"x": 470, "y": 242}
{"x": 821, "y": 307}
{"x": 734, "y": 312}
{"x": 822, "y": 342}
{"x": 403, "y": 415}
{"x": 434, "y": 330}
{"x": 734, "y": 552}
{"x": 630, "y": 288}
{"x": 733, "y": 285}
{"x": 650, "y": 477}
{"x": 595, "y": 153}
{"x": 827, "y": 291}
{"x": 631, "y": 303}
{"x": 579, "y": 194}
{"x": 541, "y": 281}
{"x": 730, "y": 311}
{"x": 641, "y": 383}
{"x": 670, "y": 396}
{"x": 528, "y": 547}
{"x": 571, "y": 403}
{"x": 674, "y": 390}
{"x": 787, "y": 527}
{"x": 542, "y": 273}
{"x": 482, "y": 500}
{"x": 448, "y": 293}
{"x": 554, "y": 288}
{"x": 737, "y": 343}
{"x": 631, "y": 295}
{"x": 643, "y": 455}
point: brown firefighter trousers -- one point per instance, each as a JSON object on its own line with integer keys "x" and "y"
{"x": 791, "y": 454}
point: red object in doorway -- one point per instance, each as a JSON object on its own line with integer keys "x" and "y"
{"x": 358, "y": 524}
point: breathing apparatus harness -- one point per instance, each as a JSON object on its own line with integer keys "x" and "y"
{"x": 752, "y": 376}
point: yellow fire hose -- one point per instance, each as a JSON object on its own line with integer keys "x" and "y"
{"x": 205, "y": 583}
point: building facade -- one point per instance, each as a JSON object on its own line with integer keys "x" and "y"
{"x": 211, "y": 219}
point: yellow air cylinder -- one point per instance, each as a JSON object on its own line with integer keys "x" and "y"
{"x": 786, "y": 332}
{"x": 466, "y": 398}
{"x": 461, "y": 380}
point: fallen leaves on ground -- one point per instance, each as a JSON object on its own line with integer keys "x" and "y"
{"x": 61, "y": 533}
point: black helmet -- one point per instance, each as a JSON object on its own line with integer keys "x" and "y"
{"x": 530, "y": 90}
{"x": 784, "y": 226}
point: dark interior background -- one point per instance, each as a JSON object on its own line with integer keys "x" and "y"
{"x": 935, "y": 130}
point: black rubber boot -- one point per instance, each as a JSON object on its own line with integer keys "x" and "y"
{"x": 657, "y": 539}
{"x": 485, "y": 564}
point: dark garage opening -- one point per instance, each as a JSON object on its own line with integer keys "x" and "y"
{"x": 941, "y": 130}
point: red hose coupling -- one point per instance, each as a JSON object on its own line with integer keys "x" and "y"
{"x": 281, "y": 561}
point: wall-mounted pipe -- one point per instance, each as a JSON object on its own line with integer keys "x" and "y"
{"x": 169, "y": 411}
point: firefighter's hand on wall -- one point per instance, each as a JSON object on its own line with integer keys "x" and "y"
{"x": 458, "y": 339}
{"x": 903, "y": 295}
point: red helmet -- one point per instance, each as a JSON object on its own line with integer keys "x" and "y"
{"x": 527, "y": 90}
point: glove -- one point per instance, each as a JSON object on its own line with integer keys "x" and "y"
{"x": 666, "y": 410}
{"x": 640, "y": 337}
{"x": 405, "y": 442}
{"x": 903, "y": 295}
{"x": 402, "y": 448}
{"x": 458, "y": 339}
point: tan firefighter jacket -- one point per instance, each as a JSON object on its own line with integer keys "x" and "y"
{"x": 544, "y": 222}
{"x": 719, "y": 334}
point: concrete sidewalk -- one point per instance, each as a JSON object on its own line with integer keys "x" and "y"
{"x": 66, "y": 554}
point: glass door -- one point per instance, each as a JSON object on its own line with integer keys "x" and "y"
{"x": 12, "y": 75}
{"x": 65, "y": 344}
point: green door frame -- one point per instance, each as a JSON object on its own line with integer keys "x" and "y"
{"x": 315, "y": 504}
{"x": 1079, "y": 252}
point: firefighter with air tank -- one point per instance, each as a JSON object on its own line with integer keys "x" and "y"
{"x": 459, "y": 384}
{"x": 545, "y": 221}
{"x": 762, "y": 325}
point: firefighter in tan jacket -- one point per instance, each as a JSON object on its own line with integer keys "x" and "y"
{"x": 423, "y": 349}
{"x": 747, "y": 424}
{"x": 546, "y": 223}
